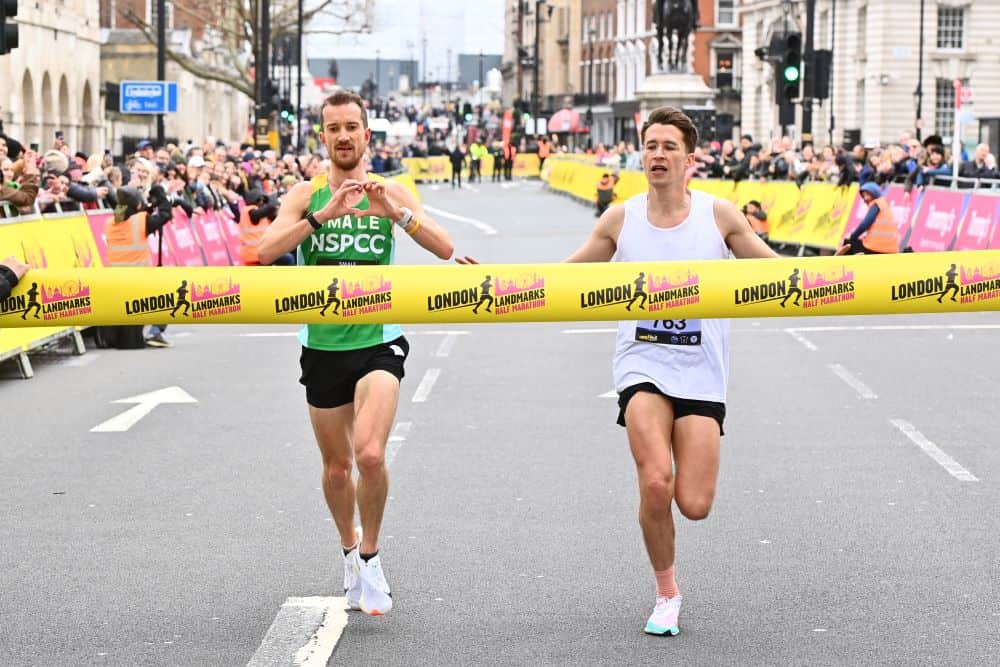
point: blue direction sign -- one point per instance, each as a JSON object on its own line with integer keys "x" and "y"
{"x": 148, "y": 97}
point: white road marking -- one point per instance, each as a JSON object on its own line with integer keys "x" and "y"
{"x": 920, "y": 440}
{"x": 146, "y": 403}
{"x": 853, "y": 382}
{"x": 426, "y": 384}
{"x": 469, "y": 187}
{"x": 318, "y": 620}
{"x": 588, "y": 331}
{"x": 396, "y": 441}
{"x": 478, "y": 224}
{"x": 608, "y": 394}
{"x": 808, "y": 344}
{"x": 448, "y": 342}
{"x": 270, "y": 334}
{"x": 897, "y": 327}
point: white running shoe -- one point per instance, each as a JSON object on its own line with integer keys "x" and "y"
{"x": 376, "y": 599}
{"x": 663, "y": 620}
{"x": 352, "y": 580}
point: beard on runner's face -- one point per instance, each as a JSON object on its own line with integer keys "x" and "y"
{"x": 340, "y": 155}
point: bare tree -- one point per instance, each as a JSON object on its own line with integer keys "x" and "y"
{"x": 226, "y": 51}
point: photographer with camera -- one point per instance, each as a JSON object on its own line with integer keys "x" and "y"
{"x": 255, "y": 218}
{"x": 127, "y": 244}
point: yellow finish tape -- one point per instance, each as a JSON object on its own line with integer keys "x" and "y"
{"x": 886, "y": 284}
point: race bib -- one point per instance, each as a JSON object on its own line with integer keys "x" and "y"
{"x": 669, "y": 332}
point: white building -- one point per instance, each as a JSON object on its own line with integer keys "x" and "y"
{"x": 52, "y": 81}
{"x": 876, "y": 55}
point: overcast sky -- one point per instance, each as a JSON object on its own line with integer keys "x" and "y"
{"x": 400, "y": 27}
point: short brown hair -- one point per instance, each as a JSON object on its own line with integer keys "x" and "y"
{"x": 342, "y": 97}
{"x": 677, "y": 118}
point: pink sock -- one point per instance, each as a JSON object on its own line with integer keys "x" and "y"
{"x": 666, "y": 585}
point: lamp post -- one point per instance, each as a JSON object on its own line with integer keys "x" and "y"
{"x": 589, "y": 120}
{"x": 918, "y": 94}
{"x": 535, "y": 93}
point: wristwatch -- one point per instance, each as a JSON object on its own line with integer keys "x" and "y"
{"x": 407, "y": 220}
{"x": 316, "y": 224}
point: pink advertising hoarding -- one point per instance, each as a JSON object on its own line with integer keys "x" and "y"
{"x": 97, "y": 219}
{"x": 903, "y": 206}
{"x": 978, "y": 223}
{"x": 230, "y": 232}
{"x": 183, "y": 242}
{"x": 212, "y": 242}
{"x": 937, "y": 220}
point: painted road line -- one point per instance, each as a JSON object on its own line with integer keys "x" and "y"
{"x": 304, "y": 633}
{"x": 898, "y": 327}
{"x": 608, "y": 394}
{"x": 396, "y": 441}
{"x": 145, "y": 403}
{"x": 808, "y": 344}
{"x": 426, "y": 384}
{"x": 920, "y": 440}
{"x": 478, "y": 224}
{"x": 588, "y": 331}
{"x": 853, "y": 382}
{"x": 447, "y": 343}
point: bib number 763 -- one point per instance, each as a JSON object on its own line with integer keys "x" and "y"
{"x": 669, "y": 332}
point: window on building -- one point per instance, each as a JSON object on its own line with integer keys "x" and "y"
{"x": 944, "y": 106}
{"x": 725, "y": 12}
{"x": 151, "y": 13}
{"x": 724, "y": 69}
{"x": 951, "y": 28}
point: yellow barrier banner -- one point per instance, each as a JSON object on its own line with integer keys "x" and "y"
{"x": 650, "y": 291}
{"x": 58, "y": 241}
{"x": 827, "y": 229}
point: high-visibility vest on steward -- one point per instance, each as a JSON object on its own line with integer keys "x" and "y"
{"x": 882, "y": 236}
{"x": 126, "y": 241}
{"x": 250, "y": 236}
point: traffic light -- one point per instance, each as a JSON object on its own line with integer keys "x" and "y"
{"x": 8, "y": 30}
{"x": 790, "y": 68}
{"x": 287, "y": 110}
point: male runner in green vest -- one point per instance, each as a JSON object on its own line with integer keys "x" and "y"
{"x": 352, "y": 371}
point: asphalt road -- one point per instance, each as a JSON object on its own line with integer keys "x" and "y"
{"x": 856, "y": 520}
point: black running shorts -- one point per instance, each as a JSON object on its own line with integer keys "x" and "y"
{"x": 331, "y": 376}
{"x": 682, "y": 406}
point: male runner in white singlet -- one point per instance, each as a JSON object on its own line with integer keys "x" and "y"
{"x": 671, "y": 374}
{"x": 352, "y": 371}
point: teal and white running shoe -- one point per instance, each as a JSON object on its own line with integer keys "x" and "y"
{"x": 663, "y": 620}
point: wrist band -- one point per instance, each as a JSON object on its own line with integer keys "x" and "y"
{"x": 316, "y": 224}
{"x": 412, "y": 228}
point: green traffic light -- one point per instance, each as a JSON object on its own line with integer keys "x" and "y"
{"x": 791, "y": 74}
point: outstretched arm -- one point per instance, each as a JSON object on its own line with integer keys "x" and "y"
{"x": 602, "y": 243}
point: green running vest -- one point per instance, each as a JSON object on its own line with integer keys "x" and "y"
{"x": 346, "y": 241}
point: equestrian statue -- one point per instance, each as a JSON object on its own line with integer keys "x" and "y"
{"x": 674, "y": 18}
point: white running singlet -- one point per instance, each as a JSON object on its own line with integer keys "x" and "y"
{"x": 684, "y": 358}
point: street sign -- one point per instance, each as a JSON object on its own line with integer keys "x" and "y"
{"x": 153, "y": 97}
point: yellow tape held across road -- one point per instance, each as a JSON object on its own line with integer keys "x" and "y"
{"x": 906, "y": 283}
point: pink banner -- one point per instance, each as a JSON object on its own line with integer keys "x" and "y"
{"x": 212, "y": 241}
{"x": 995, "y": 234}
{"x": 936, "y": 223}
{"x": 97, "y": 219}
{"x": 978, "y": 223}
{"x": 857, "y": 215}
{"x": 230, "y": 232}
{"x": 903, "y": 206}
{"x": 169, "y": 258}
{"x": 183, "y": 242}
